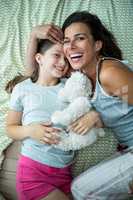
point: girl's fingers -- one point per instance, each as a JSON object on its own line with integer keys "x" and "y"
{"x": 52, "y": 130}
{"x": 53, "y": 39}
{"x": 48, "y": 31}
{"x": 49, "y": 139}
{"x": 53, "y": 136}
{"x": 58, "y": 30}
{"x": 54, "y": 36}
{"x": 46, "y": 123}
{"x": 55, "y": 33}
{"x": 58, "y": 33}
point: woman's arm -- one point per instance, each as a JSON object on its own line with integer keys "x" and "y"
{"x": 41, "y": 132}
{"x": 117, "y": 80}
{"x": 86, "y": 122}
{"x": 47, "y": 31}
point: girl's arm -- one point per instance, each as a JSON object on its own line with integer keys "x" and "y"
{"x": 41, "y": 132}
{"x": 117, "y": 80}
{"x": 47, "y": 31}
{"x": 13, "y": 126}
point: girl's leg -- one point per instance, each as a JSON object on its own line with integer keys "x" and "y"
{"x": 56, "y": 195}
{"x": 108, "y": 180}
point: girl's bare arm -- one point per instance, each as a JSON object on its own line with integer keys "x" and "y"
{"x": 41, "y": 132}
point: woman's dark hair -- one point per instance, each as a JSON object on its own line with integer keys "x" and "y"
{"x": 98, "y": 31}
{"x": 42, "y": 47}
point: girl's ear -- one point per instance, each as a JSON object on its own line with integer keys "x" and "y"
{"x": 98, "y": 45}
{"x": 38, "y": 58}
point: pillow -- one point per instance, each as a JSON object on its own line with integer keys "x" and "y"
{"x": 8, "y": 171}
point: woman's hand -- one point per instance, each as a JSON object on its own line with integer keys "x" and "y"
{"x": 48, "y": 31}
{"x": 99, "y": 124}
{"x": 85, "y": 123}
{"x": 44, "y": 133}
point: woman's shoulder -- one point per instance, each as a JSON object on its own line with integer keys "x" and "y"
{"x": 111, "y": 68}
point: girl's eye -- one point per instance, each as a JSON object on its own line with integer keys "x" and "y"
{"x": 57, "y": 55}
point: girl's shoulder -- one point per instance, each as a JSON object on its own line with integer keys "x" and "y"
{"x": 22, "y": 85}
{"x": 25, "y": 82}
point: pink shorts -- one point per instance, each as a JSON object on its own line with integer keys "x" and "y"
{"x": 36, "y": 180}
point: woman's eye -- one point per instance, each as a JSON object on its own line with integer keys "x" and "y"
{"x": 80, "y": 38}
{"x": 65, "y": 41}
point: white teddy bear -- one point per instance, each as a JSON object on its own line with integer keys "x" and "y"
{"x": 76, "y": 96}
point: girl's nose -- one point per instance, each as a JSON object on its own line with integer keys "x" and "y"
{"x": 62, "y": 62}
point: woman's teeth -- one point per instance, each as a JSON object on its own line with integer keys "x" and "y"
{"x": 76, "y": 56}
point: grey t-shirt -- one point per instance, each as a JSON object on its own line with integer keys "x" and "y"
{"x": 37, "y": 104}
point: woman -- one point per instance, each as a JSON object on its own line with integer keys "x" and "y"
{"x": 92, "y": 49}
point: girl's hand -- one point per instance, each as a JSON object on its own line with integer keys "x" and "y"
{"x": 85, "y": 123}
{"x": 44, "y": 133}
{"x": 48, "y": 31}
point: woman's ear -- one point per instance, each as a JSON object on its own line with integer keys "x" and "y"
{"x": 98, "y": 45}
{"x": 38, "y": 58}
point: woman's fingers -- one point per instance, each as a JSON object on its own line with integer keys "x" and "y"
{"x": 79, "y": 129}
{"x": 99, "y": 124}
{"x": 76, "y": 128}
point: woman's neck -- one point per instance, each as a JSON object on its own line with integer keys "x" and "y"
{"x": 90, "y": 70}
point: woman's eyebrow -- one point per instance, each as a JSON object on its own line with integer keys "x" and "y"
{"x": 77, "y": 34}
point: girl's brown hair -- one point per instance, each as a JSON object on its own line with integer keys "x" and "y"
{"x": 43, "y": 46}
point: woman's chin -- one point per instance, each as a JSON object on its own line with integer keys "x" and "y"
{"x": 76, "y": 67}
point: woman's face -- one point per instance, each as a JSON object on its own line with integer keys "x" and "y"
{"x": 79, "y": 46}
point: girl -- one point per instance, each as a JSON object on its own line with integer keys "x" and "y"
{"x": 92, "y": 49}
{"x": 43, "y": 171}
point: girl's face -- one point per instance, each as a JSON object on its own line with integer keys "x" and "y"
{"x": 52, "y": 63}
{"x": 79, "y": 46}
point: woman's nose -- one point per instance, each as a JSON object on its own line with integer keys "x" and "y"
{"x": 71, "y": 44}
